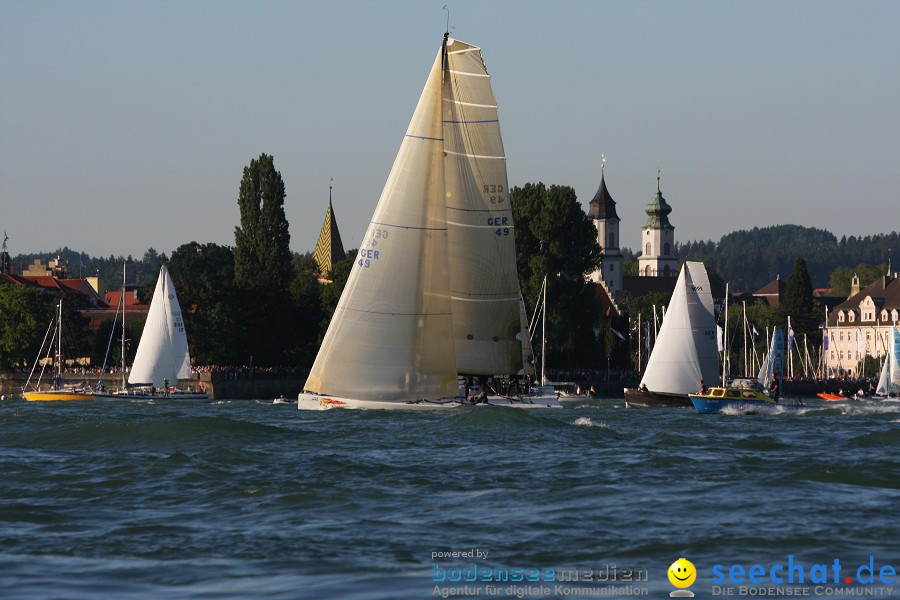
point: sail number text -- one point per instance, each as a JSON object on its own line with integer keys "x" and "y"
{"x": 365, "y": 257}
{"x": 494, "y": 193}
{"x": 501, "y": 223}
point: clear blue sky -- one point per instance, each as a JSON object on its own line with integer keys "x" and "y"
{"x": 126, "y": 125}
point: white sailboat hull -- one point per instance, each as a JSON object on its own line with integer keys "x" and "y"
{"x": 309, "y": 401}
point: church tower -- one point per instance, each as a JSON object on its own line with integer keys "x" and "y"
{"x": 602, "y": 210}
{"x": 658, "y": 240}
{"x": 329, "y": 248}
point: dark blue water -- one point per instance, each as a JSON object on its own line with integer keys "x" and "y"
{"x": 249, "y": 499}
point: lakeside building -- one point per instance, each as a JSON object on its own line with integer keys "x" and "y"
{"x": 860, "y": 326}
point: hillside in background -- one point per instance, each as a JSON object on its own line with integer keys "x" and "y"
{"x": 749, "y": 259}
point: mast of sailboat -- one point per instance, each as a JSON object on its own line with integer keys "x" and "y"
{"x": 59, "y": 347}
{"x": 639, "y": 343}
{"x": 725, "y": 340}
{"x": 544, "y": 336}
{"x": 124, "y": 379}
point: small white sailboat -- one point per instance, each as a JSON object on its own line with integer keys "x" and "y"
{"x": 162, "y": 356}
{"x": 889, "y": 381}
{"x": 685, "y": 350}
{"x": 434, "y": 294}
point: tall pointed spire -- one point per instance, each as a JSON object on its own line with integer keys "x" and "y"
{"x": 329, "y": 248}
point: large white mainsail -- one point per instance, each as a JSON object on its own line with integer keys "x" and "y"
{"x": 685, "y": 350}
{"x": 162, "y": 353}
{"x": 434, "y": 291}
{"x": 889, "y": 381}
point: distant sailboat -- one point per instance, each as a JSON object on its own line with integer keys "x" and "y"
{"x": 889, "y": 381}
{"x": 162, "y": 356}
{"x": 685, "y": 350}
{"x": 59, "y": 390}
{"x": 434, "y": 294}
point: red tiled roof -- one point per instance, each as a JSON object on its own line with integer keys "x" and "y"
{"x": 131, "y": 300}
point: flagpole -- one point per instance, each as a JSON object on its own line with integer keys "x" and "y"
{"x": 639, "y": 344}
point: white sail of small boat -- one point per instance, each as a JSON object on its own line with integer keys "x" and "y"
{"x": 162, "y": 353}
{"x": 434, "y": 293}
{"x": 686, "y": 349}
{"x": 773, "y": 367}
{"x": 771, "y": 373}
{"x": 889, "y": 381}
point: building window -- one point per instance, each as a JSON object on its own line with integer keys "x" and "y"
{"x": 852, "y": 316}
{"x": 612, "y": 239}
{"x": 841, "y": 316}
{"x": 647, "y": 270}
{"x": 842, "y": 336}
{"x": 612, "y": 268}
{"x": 832, "y": 356}
{"x": 647, "y": 249}
{"x": 884, "y": 315}
{"x": 666, "y": 249}
{"x": 868, "y": 336}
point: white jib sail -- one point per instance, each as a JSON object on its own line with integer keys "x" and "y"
{"x": 163, "y": 350}
{"x": 685, "y": 350}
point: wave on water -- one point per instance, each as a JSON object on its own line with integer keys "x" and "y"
{"x": 588, "y": 422}
{"x": 870, "y": 408}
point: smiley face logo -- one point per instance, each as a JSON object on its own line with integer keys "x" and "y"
{"x": 682, "y": 573}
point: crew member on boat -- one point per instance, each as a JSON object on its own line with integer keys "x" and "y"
{"x": 703, "y": 389}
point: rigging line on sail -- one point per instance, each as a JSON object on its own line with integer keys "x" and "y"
{"x": 462, "y": 103}
{"x": 479, "y": 210}
{"x": 423, "y": 137}
{"x": 408, "y": 226}
{"x": 464, "y": 50}
{"x": 468, "y": 74}
{"x": 473, "y": 122}
{"x": 502, "y": 297}
{"x": 394, "y": 314}
{"x": 466, "y": 154}
{"x": 477, "y": 226}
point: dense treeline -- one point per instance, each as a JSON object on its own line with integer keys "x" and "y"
{"x": 256, "y": 303}
{"x": 751, "y": 259}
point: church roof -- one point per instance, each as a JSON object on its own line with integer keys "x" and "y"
{"x": 329, "y": 248}
{"x": 772, "y": 292}
{"x": 602, "y": 207}
{"x": 658, "y": 211}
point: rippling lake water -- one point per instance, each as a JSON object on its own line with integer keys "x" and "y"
{"x": 249, "y": 499}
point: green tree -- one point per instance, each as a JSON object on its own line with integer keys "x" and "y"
{"x": 306, "y": 297}
{"x": 262, "y": 255}
{"x": 24, "y": 315}
{"x": 798, "y": 303}
{"x": 204, "y": 278}
{"x": 555, "y": 238}
{"x": 842, "y": 278}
